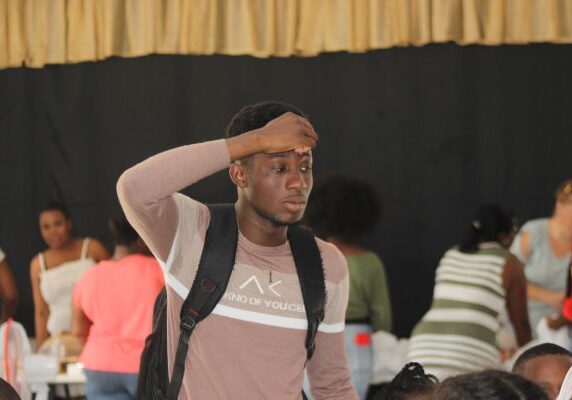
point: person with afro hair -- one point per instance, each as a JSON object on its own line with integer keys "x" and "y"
{"x": 343, "y": 210}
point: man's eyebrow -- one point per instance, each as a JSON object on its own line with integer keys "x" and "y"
{"x": 286, "y": 154}
{"x": 277, "y": 155}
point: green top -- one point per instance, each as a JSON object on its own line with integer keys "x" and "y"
{"x": 369, "y": 294}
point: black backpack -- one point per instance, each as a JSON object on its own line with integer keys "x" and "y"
{"x": 215, "y": 267}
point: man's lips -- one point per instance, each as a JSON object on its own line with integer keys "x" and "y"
{"x": 294, "y": 205}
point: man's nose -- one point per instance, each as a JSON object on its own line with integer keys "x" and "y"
{"x": 297, "y": 179}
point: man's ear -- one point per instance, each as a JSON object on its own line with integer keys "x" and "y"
{"x": 237, "y": 172}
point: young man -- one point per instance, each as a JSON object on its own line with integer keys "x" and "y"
{"x": 545, "y": 364}
{"x": 252, "y": 346}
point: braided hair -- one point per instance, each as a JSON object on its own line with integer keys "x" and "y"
{"x": 411, "y": 380}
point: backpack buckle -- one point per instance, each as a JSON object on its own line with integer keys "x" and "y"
{"x": 188, "y": 323}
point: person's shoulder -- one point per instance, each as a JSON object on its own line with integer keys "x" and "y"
{"x": 373, "y": 258}
{"x": 143, "y": 260}
{"x": 372, "y": 264}
{"x": 185, "y": 202}
{"x": 100, "y": 268}
{"x": 334, "y": 262}
{"x": 95, "y": 249}
{"x": 35, "y": 262}
{"x": 192, "y": 211}
{"x": 512, "y": 261}
{"x": 534, "y": 224}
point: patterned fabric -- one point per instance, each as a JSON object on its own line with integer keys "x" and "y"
{"x": 458, "y": 333}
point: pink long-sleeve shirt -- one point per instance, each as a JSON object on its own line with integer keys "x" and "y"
{"x": 252, "y": 346}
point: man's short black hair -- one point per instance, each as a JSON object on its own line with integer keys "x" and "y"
{"x": 257, "y": 115}
{"x": 7, "y": 392}
{"x": 544, "y": 349}
{"x": 343, "y": 207}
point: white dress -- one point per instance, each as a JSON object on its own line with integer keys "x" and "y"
{"x": 56, "y": 286}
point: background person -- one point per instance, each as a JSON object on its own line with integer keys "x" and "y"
{"x": 473, "y": 283}
{"x": 7, "y": 392}
{"x": 544, "y": 245}
{"x": 343, "y": 210}
{"x": 411, "y": 383}
{"x": 489, "y": 385}
{"x": 54, "y": 271}
{"x": 546, "y": 364}
{"x": 8, "y": 289}
{"x": 112, "y": 311}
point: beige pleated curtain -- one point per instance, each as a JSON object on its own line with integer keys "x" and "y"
{"x": 39, "y": 32}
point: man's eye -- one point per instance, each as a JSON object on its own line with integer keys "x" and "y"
{"x": 305, "y": 170}
{"x": 278, "y": 170}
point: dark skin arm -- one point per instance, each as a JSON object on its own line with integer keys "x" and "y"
{"x": 80, "y": 323}
{"x": 97, "y": 251}
{"x": 557, "y": 322}
{"x": 514, "y": 283}
{"x": 8, "y": 291}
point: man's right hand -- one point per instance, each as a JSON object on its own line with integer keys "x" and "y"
{"x": 288, "y": 132}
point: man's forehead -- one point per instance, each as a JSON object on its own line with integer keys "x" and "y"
{"x": 291, "y": 153}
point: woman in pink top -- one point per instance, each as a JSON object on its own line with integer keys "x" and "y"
{"x": 112, "y": 311}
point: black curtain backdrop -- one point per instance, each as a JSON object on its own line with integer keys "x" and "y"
{"x": 438, "y": 129}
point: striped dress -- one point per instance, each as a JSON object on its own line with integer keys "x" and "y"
{"x": 458, "y": 333}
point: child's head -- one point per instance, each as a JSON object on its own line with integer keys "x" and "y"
{"x": 546, "y": 365}
{"x": 411, "y": 383}
{"x": 7, "y": 392}
{"x": 489, "y": 385}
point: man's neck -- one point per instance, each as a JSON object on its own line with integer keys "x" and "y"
{"x": 260, "y": 230}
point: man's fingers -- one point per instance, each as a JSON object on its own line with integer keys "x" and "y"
{"x": 310, "y": 142}
{"x": 309, "y": 129}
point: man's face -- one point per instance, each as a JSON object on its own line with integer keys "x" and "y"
{"x": 278, "y": 185}
{"x": 548, "y": 372}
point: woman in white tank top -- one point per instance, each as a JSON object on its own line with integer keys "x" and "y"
{"x": 55, "y": 271}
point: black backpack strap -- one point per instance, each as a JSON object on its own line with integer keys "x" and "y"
{"x": 311, "y": 275}
{"x": 215, "y": 267}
